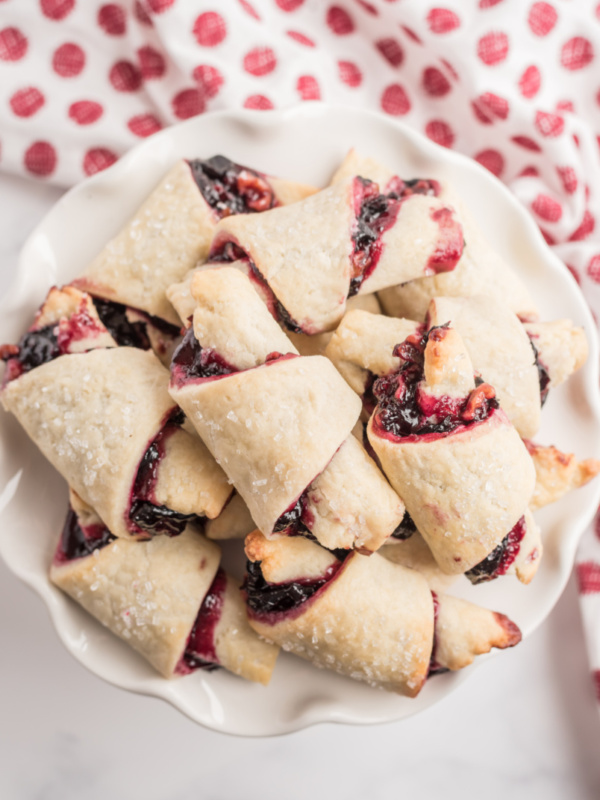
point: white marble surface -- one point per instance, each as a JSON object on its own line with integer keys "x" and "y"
{"x": 524, "y": 726}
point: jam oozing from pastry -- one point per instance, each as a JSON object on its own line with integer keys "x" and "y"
{"x": 434, "y": 667}
{"x": 296, "y": 519}
{"x": 33, "y": 349}
{"x": 191, "y": 361}
{"x": 376, "y": 214}
{"x": 227, "y": 252}
{"x": 200, "y": 650}
{"x": 400, "y": 189}
{"x": 271, "y": 602}
{"x": 500, "y": 559}
{"x": 543, "y": 374}
{"x": 124, "y": 332}
{"x": 450, "y": 243}
{"x": 77, "y": 541}
{"x": 146, "y": 516}
{"x": 229, "y": 188}
{"x": 403, "y": 410}
{"x": 127, "y": 332}
{"x": 406, "y": 528}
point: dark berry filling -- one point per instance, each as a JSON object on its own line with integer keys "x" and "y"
{"x": 229, "y": 188}
{"x": 406, "y": 528}
{"x": 146, "y": 516}
{"x": 200, "y": 651}
{"x": 403, "y": 410}
{"x": 124, "y": 332}
{"x": 272, "y": 601}
{"x": 297, "y": 519}
{"x": 192, "y": 362}
{"x": 376, "y": 214}
{"x": 434, "y": 667}
{"x": 33, "y": 349}
{"x": 226, "y": 253}
{"x": 500, "y": 559}
{"x": 77, "y": 541}
{"x": 398, "y": 188}
{"x": 543, "y": 374}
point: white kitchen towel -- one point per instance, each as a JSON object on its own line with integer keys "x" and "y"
{"x": 512, "y": 83}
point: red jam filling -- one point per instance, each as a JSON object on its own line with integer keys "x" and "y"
{"x": 273, "y": 602}
{"x": 146, "y": 516}
{"x": 376, "y": 214}
{"x": 450, "y": 244}
{"x": 200, "y": 651}
{"x": 193, "y": 362}
{"x": 500, "y": 559}
{"x": 78, "y": 541}
{"x": 404, "y": 411}
{"x": 396, "y": 187}
{"x": 230, "y": 188}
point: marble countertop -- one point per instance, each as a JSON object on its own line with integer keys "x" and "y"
{"x": 524, "y": 726}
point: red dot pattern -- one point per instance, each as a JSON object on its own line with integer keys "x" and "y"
{"x": 144, "y": 125}
{"x": 339, "y": 21}
{"x": 391, "y": 50}
{"x": 259, "y": 102}
{"x": 492, "y": 48}
{"x": 97, "y": 159}
{"x": 188, "y": 103}
{"x": 547, "y": 208}
{"x": 349, "y": 74}
{"x": 57, "y": 9}
{"x": 491, "y": 160}
{"x": 301, "y": 38}
{"x": 395, "y": 101}
{"x": 68, "y": 60}
{"x": 26, "y": 102}
{"x": 577, "y": 53}
{"x": 435, "y": 83}
{"x": 209, "y": 80}
{"x": 260, "y": 61}
{"x": 442, "y": 20}
{"x": 13, "y": 44}
{"x": 209, "y": 29}
{"x": 112, "y": 19}
{"x": 440, "y": 132}
{"x": 125, "y": 76}
{"x": 308, "y": 88}
{"x": 588, "y": 573}
{"x": 249, "y": 9}
{"x": 152, "y": 63}
{"x": 40, "y": 159}
{"x": 85, "y": 112}
{"x": 542, "y": 18}
{"x": 530, "y": 82}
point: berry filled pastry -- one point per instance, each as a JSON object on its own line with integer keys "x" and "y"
{"x": 453, "y": 456}
{"x": 480, "y": 270}
{"x": 364, "y": 617}
{"x": 279, "y": 424}
{"x": 106, "y": 422}
{"x": 346, "y": 239}
{"x": 67, "y": 322}
{"x": 173, "y": 228}
{"x": 167, "y": 598}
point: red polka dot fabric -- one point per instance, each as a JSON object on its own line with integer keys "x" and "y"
{"x": 515, "y": 84}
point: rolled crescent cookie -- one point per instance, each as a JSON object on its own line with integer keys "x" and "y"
{"x": 363, "y": 617}
{"x": 279, "y": 424}
{"x": 481, "y": 270}
{"x": 173, "y": 228}
{"x": 343, "y": 240}
{"x": 167, "y": 598}
{"x": 105, "y": 420}
{"x": 458, "y": 463}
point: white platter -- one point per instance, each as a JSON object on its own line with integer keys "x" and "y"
{"x": 306, "y": 144}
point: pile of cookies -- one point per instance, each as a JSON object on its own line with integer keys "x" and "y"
{"x": 348, "y": 379}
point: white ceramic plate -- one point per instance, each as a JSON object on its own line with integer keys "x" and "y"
{"x": 306, "y": 144}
